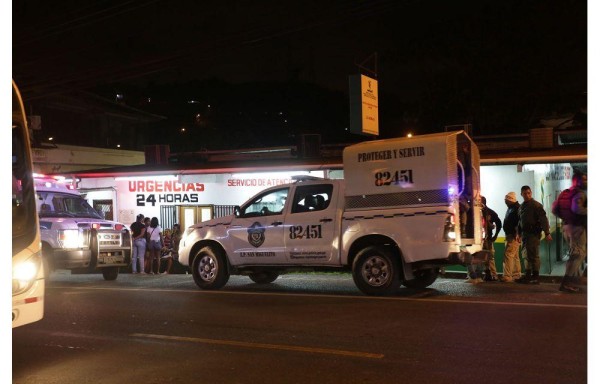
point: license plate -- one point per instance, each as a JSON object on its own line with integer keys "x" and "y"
{"x": 110, "y": 260}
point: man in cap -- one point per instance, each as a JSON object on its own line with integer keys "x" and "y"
{"x": 511, "y": 264}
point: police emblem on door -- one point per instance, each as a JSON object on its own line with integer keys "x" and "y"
{"x": 256, "y": 235}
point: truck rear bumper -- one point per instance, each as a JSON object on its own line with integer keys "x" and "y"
{"x": 466, "y": 258}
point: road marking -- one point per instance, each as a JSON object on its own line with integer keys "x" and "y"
{"x": 317, "y": 295}
{"x": 245, "y": 344}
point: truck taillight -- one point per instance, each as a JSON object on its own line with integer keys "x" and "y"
{"x": 119, "y": 227}
{"x": 96, "y": 226}
{"x": 450, "y": 228}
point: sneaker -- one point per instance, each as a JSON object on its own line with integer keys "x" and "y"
{"x": 142, "y": 273}
{"x": 474, "y": 281}
{"x": 506, "y": 279}
{"x": 569, "y": 289}
{"x": 523, "y": 280}
{"x": 165, "y": 273}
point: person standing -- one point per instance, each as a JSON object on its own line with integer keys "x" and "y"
{"x": 156, "y": 243}
{"x": 138, "y": 234}
{"x": 532, "y": 222}
{"x": 572, "y": 209}
{"x": 511, "y": 264}
{"x": 147, "y": 237}
{"x": 491, "y": 221}
{"x": 167, "y": 251}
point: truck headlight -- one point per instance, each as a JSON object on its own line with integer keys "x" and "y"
{"x": 24, "y": 274}
{"x": 71, "y": 238}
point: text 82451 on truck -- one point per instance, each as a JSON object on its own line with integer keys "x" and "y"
{"x": 406, "y": 208}
{"x": 74, "y": 235}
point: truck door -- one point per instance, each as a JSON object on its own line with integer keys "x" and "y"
{"x": 257, "y": 232}
{"x": 310, "y": 225}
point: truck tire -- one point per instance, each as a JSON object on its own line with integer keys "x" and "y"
{"x": 264, "y": 277}
{"x": 110, "y": 273}
{"x": 423, "y": 279}
{"x": 376, "y": 271}
{"x": 209, "y": 268}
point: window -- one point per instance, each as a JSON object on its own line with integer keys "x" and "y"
{"x": 312, "y": 198}
{"x": 271, "y": 203}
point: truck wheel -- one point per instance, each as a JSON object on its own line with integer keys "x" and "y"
{"x": 423, "y": 279}
{"x": 265, "y": 277}
{"x": 376, "y": 271}
{"x": 210, "y": 269}
{"x": 110, "y": 273}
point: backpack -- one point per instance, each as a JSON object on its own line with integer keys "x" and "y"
{"x": 562, "y": 207}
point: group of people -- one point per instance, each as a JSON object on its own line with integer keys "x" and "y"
{"x": 151, "y": 245}
{"x": 524, "y": 224}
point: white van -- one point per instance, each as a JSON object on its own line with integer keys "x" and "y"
{"x": 74, "y": 235}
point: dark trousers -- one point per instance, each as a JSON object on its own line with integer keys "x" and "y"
{"x": 531, "y": 243}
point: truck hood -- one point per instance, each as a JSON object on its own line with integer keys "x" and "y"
{"x": 225, "y": 220}
{"x": 83, "y": 222}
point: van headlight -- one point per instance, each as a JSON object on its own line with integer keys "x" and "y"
{"x": 24, "y": 273}
{"x": 71, "y": 238}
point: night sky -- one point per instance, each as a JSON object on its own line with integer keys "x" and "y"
{"x": 466, "y": 61}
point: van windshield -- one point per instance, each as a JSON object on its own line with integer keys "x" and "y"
{"x": 64, "y": 205}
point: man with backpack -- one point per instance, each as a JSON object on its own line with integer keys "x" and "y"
{"x": 571, "y": 207}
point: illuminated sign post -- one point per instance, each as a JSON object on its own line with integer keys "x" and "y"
{"x": 364, "y": 105}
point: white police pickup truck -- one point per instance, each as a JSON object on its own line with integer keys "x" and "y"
{"x": 74, "y": 235}
{"x": 395, "y": 219}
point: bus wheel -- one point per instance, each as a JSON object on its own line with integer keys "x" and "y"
{"x": 110, "y": 273}
{"x": 376, "y": 271}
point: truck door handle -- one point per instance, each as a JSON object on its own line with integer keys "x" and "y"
{"x": 325, "y": 220}
{"x": 276, "y": 223}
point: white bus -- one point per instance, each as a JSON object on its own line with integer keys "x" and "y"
{"x": 27, "y": 266}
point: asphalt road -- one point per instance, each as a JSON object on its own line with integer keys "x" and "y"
{"x": 303, "y": 328}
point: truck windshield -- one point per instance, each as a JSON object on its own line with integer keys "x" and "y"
{"x": 65, "y": 205}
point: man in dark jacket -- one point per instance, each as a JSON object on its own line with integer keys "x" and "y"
{"x": 532, "y": 222}
{"x": 491, "y": 221}
{"x": 511, "y": 265}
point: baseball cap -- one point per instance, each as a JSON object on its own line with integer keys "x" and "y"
{"x": 511, "y": 196}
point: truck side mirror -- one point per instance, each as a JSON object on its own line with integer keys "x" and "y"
{"x": 236, "y": 211}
